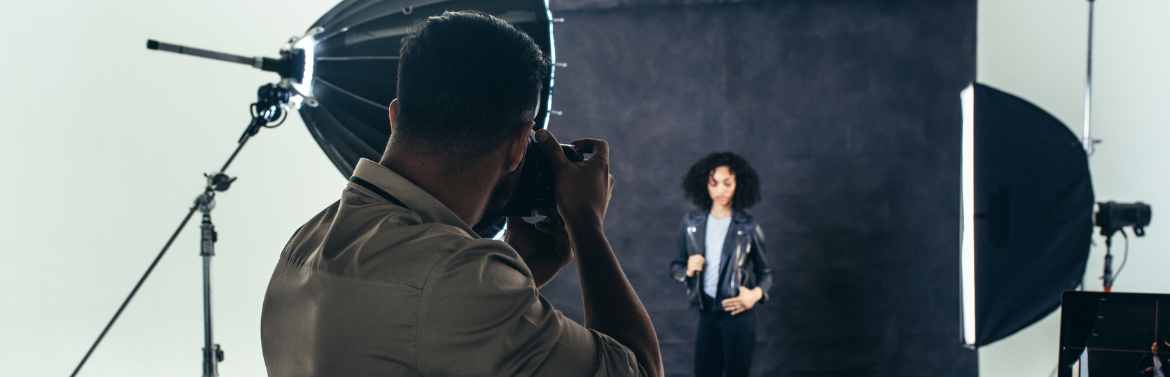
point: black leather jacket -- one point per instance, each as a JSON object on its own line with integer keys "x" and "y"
{"x": 744, "y": 261}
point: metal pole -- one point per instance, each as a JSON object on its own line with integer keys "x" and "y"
{"x": 1087, "y": 140}
{"x": 204, "y": 53}
{"x": 211, "y": 352}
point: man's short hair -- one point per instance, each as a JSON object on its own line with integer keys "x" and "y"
{"x": 464, "y": 81}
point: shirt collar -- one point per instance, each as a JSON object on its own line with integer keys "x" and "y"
{"x": 413, "y": 197}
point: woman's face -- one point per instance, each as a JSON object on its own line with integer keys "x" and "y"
{"x": 721, "y": 186}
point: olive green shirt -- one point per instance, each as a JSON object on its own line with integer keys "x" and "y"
{"x": 395, "y": 284}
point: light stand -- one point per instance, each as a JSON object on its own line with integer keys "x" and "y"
{"x": 1113, "y": 217}
{"x": 1107, "y": 275}
{"x": 212, "y": 353}
{"x": 1087, "y": 140}
{"x": 267, "y": 112}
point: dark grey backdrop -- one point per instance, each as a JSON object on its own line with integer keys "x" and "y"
{"x": 850, "y": 112}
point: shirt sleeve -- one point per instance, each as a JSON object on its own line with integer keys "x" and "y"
{"x": 481, "y": 315}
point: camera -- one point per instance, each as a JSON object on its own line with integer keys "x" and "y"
{"x": 530, "y": 192}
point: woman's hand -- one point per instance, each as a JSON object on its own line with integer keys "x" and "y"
{"x": 695, "y": 264}
{"x": 745, "y": 301}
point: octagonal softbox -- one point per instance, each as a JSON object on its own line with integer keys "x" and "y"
{"x": 355, "y": 66}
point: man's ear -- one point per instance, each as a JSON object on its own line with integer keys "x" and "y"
{"x": 393, "y": 113}
{"x": 518, "y": 147}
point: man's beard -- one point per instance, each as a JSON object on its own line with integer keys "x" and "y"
{"x": 494, "y": 217}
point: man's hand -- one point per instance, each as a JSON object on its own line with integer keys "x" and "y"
{"x": 583, "y": 188}
{"x": 611, "y": 306}
{"x": 745, "y": 301}
{"x": 695, "y": 264}
{"x": 544, "y": 249}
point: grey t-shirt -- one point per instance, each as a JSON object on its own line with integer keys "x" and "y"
{"x": 716, "y": 232}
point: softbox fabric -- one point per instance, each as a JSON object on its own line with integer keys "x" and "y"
{"x": 354, "y": 75}
{"x": 1033, "y": 213}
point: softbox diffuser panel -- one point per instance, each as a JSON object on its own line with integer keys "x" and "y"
{"x": 1032, "y": 213}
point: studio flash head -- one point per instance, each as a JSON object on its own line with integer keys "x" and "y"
{"x": 1113, "y": 216}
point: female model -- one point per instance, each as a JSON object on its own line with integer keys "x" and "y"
{"x": 721, "y": 260}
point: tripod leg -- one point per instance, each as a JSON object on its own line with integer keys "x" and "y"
{"x": 134, "y": 291}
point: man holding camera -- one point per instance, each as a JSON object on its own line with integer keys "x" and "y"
{"x": 391, "y": 280}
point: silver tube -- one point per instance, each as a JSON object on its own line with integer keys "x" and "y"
{"x": 1087, "y": 132}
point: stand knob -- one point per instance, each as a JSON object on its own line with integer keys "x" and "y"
{"x": 219, "y": 181}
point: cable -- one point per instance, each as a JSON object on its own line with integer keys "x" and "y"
{"x": 278, "y": 122}
{"x": 256, "y": 113}
{"x": 1124, "y": 256}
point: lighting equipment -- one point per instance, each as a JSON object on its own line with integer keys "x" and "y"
{"x": 1027, "y": 207}
{"x": 1113, "y": 217}
{"x": 340, "y": 75}
{"x": 353, "y": 79}
{"x": 355, "y": 67}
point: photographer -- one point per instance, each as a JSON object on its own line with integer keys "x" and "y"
{"x": 391, "y": 280}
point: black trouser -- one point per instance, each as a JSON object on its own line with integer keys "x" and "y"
{"x": 725, "y": 342}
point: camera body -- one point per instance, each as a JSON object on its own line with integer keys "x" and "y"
{"x": 530, "y": 193}
{"x": 535, "y": 187}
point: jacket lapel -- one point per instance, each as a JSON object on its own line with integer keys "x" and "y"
{"x": 730, "y": 242}
{"x": 699, "y": 222}
{"x": 725, "y": 259}
{"x": 697, "y": 231}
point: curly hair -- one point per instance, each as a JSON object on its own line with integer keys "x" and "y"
{"x": 747, "y": 183}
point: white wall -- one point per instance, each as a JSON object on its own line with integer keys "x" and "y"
{"x": 1036, "y": 49}
{"x": 102, "y": 146}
